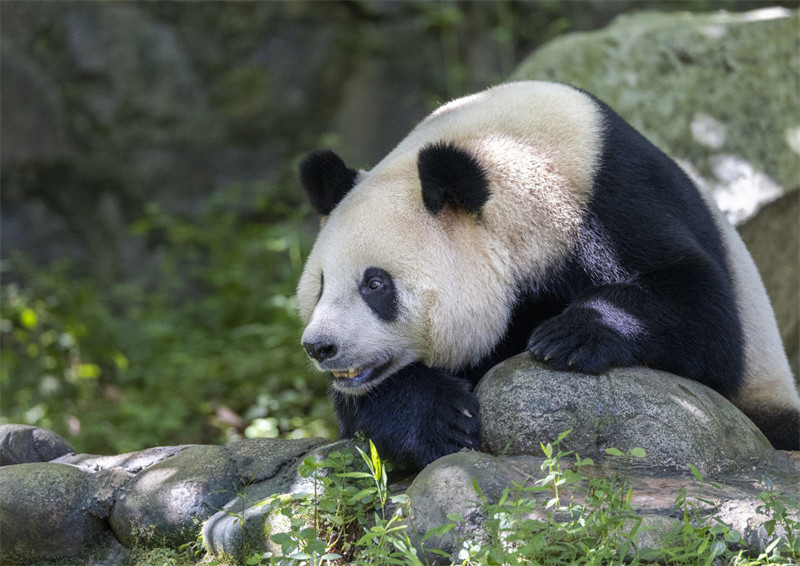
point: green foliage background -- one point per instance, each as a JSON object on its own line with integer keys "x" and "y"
{"x": 206, "y": 348}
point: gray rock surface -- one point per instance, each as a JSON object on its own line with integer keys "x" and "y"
{"x": 20, "y": 444}
{"x": 445, "y": 488}
{"x": 239, "y": 527}
{"x": 676, "y": 420}
{"x": 47, "y": 511}
{"x": 655, "y": 70}
{"x": 167, "y": 502}
{"x": 131, "y": 462}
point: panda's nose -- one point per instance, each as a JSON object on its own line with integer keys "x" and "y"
{"x": 320, "y": 351}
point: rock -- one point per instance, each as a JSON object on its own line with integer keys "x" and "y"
{"x": 175, "y": 489}
{"x": 654, "y": 70}
{"x": 32, "y": 114}
{"x": 46, "y": 512}
{"x": 130, "y": 462}
{"x": 246, "y": 522}
{"x": 677, "y": 421}
{"x": 737, "y": 140}
{"x": 167, "y": 502}
{"x": 21, "y": 444}
{"x": 445, "y": 488}
{"x": 260, "y": 459}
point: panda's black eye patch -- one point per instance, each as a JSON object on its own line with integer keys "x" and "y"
{"x": 378, "y": 291}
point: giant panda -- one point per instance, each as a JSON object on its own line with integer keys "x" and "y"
{"x": 530, "y": 217}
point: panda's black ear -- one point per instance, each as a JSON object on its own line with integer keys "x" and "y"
{"x": 451, "y": 175}
{"x": 326, "y": 179}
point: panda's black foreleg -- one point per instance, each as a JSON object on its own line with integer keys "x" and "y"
{"x": 413, "y": 417}
{"x": 681, "y": 319}
{"x": 581, "y": 338}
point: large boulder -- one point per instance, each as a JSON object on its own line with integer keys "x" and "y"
{"x": 678, "y": 423}
{"x": 167, "y": 502}
{"x": 52, "y": 502}
{"x": 445, "y": 490}
{"x": 718, "y": 93}
{"x": 24, "y": 444}
{"x": 58, "y": 505}
{"x": 676, "y": 420}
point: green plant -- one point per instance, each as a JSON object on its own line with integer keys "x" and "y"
{"x": 593, "y": 525}
{"x": 596, "y": 524}
{"x": 780, "y": 507}
{"x": 349, "y": 517}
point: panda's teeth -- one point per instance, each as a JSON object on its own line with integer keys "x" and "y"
{"x": 350, "y": 373}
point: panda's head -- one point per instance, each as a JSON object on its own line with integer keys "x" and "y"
{"x": 385, "y": 284}
{"x": 421, "y": 259}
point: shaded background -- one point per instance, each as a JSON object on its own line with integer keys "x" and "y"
{"x": 152, "y": 227}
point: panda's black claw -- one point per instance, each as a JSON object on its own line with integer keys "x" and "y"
{"x": 576, "y": 340}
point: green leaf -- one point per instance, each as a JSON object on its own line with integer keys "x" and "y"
{"x": 477, "y": 489}
{"x": 438, "y": 531}
{"x": 717, "y": 548}
{"x": 638, "y": 452}
{"x": 733, "y": 536}
{"x": 455, "y": 517}
{"x": 356, "y": 497}
{"x": 376, "y": 460}
{"x": 696, "y": 473}
{"x": 307, "y": 533}
{"x": 88, "y": 371}
{"x": 614, "y": 452}
{"x": 28, "y": 318}
{"x": 361, "y": 475}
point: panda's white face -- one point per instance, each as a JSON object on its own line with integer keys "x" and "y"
{"x": 365, "y": 317}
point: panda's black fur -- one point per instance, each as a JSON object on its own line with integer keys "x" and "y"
{"x": 648, "y": 247}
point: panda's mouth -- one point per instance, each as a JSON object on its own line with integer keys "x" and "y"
{"x": 354, "y": 378}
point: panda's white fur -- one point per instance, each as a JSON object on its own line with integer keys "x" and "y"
{"x": 458, "y": 275}
{"x": 541, "y": 172}
{"x": 767, "y": 383}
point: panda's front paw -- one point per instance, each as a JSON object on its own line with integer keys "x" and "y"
{"x": 578, "y": 340}
{"x": 415, "y": 416}
{"x": 453, "y": 423}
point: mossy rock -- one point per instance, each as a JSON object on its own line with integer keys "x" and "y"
{"x": 677, "y": 421}
{"x": 47, "y": 512}
{"x": 716, "y": 91}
